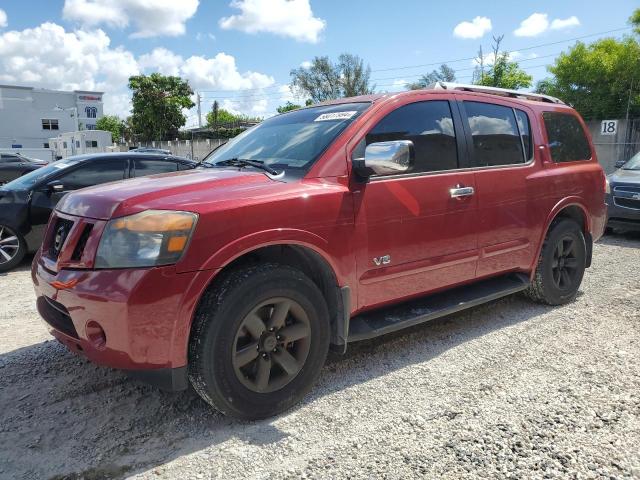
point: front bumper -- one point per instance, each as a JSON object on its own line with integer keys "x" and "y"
{"x": 133, "y": 319}
{"x": 622, "y": 217}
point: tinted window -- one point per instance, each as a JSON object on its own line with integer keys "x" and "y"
{"x": 429, "y": 126}
{"x": 9, "y": 159}
{"x": 567, "y": 141}
{"x": 496, "y": 139}
{"x": 151, "y": 167}
{"x": 94, "y": 173}
{"x": 525, "y": 132}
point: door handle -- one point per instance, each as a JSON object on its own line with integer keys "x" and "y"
{"x": 460, "y": 191}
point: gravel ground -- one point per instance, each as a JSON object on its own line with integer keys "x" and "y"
{"x": 507, "y": 390}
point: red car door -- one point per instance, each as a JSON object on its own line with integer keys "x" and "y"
{"x": 417, "y": 230}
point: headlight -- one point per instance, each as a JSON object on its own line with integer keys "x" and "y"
{"x": 607, "y": 186}
{"x": 146, "y": 239}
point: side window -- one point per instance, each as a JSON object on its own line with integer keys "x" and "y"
{"x": 567, "y": 141}
{"x": 525, "y": 132}
{"x": 10, "y": 159}
{"x": 496, "y": 139}
{"x": 429, "y": 126}
{"x": 151, "y": 167}
{"x": 94, "y": 173}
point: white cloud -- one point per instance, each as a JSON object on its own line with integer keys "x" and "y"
{"x": 538, "y": 23}
{"x": 476, "y": 28}
{"x": 561, "y": 24}
{"x": 203, "y": 36}
{"x": 489, "y": 58}
{"x": 50, "y": 57}
{"x": 290, "y": 18}
{"x": 532, "y": 26}
{"x": 3, "y": 18}
{"x": 150, "y": 17}
{"x": 306, "y": 64}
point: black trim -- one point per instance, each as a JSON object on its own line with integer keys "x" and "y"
{"x": 168, "y": 379}
{"x": 341, "y": 330}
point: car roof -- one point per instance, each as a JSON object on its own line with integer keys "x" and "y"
{"x": 115, "y": 155}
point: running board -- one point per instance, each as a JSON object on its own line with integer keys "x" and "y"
{"x": 390, "y": 319}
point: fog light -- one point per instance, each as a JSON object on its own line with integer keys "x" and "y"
{"x": 96, "y": 335}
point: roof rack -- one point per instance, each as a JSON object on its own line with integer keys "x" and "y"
{"x": 503, "y": 92}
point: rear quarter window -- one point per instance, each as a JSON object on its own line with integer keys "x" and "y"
{"x": 567, "y": 140}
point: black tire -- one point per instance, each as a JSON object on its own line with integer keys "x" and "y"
{"x": 555, "y": 281}
{"x": 221, "y": 319}
{"x": 15, "y": 249}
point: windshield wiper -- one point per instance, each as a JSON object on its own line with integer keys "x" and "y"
{"x": 246, "y": 162}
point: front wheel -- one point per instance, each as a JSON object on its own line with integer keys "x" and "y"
{"x": 12, "y": 248}
{"x": 259, "y": 341}
{"x": 561, "y": 264}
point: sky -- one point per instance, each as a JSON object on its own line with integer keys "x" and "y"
{"x": 241, "y": 52}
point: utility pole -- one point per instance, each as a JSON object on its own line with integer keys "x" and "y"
{"x": 199, "y": 110}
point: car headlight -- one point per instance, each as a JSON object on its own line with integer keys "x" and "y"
{"x": 147, "y": 239}
{"x": 607, "y": 186}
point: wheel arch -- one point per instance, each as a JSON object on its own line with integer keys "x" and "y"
{"x": 571, "y": 208}
{"x": 307, "y": 258}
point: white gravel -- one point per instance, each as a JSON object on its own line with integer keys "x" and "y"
{"x": 506, "y": 390}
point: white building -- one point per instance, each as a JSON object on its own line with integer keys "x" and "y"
{"x": 78, "y": 143}
{"x": 30, "y": 116}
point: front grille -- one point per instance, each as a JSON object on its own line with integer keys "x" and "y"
{"x": 627, "y": 203}
{"x": 627, "y": 189}
{"x": 59, "y": 236}
{"x": 56, "y": 315}
{"x": 82, "y": 242}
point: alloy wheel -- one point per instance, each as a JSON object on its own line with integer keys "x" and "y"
{"x": 9, "y": 244}
{"x": 564, "y": 266}
{"x": 271, "y": 345}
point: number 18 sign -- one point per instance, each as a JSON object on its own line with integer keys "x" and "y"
{"x": 609, "y": 127}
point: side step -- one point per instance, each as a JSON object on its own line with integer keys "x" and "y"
{"x": 387, "y": 320}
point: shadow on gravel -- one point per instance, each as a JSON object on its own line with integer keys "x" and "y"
{"x": 24, "y": 266}
{"x": 624, "y": 239}
{"x": 63, "y": 417}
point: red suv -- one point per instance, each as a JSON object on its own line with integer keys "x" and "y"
{"x": 319, "y": 227}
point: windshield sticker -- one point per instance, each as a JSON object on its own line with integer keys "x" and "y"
{"x": 329, "y": 117}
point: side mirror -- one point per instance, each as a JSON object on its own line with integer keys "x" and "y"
{"x": 55, "y": 186}
{"x": 386, "y": 158}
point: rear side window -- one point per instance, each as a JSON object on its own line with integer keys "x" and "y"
{"x": 429, "y": 126}
{"x": 495, "y": 134}
{"x": 567, "y": 141}
{"x": 94, "y": 173}
{"x": 151, "y": 167}
{"x": 525, "y": 132}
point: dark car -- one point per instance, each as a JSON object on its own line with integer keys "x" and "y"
{"x": 27, "y": 202}
{"x": 623, "y": 196}
{"x": 14, "y": 165}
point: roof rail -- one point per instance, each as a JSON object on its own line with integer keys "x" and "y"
{"x": 503, "y": 92}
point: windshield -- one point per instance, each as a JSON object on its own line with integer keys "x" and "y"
{"x": 633, "y": 163}
{"x": 26, "y": 182}
{"x": 291, "y": 142}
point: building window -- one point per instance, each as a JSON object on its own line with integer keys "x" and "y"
{"x": 50, "y": 124}
{"x": 64, "y": 144}
{"x": 91, "y": 112}
{"x": 91, "y": 143}
{"x": 77, "y": 143}
{"x": 46, "y": 145}
{"x": 90, "y": 126}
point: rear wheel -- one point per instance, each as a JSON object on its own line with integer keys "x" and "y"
{"x": 259, "y": 341}
{"x": 561, "y": 264}
{"x": 12, "y": 248}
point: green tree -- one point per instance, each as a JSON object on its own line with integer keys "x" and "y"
{"x": 635, "y": 21}
{"x": 600, "y": 80}
{"x": 113, "y": 124}
{"x": 502, "y": 72}
{"x": 444, "y": 74}
{"x": 287, "y": 107}
{"x": 325, "y": 80}
{"x": 219, "y": 116}
{"x": 158, "y": 102}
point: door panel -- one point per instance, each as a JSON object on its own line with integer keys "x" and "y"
{"x": 429, "y": 236}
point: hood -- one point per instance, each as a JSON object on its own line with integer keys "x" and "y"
{"x": 625, "y": 176}
{"x": 190, "y": 190}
